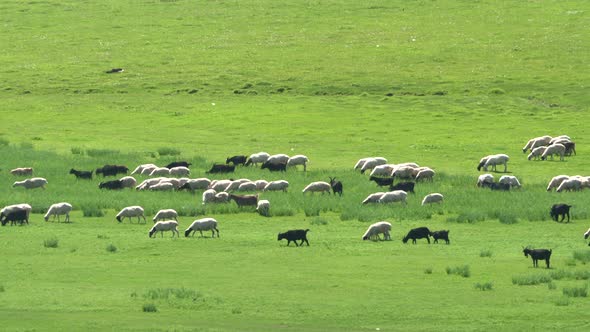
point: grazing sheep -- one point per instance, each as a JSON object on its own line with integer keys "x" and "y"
{"x": 140, "y": 168}
{"x": 112, "y": 170}
{"x": 178, "y": 164}
{"x": 20, "y": 216}
{"x": 236, "y": 160}
{"x": 298, "y": 160}
{"x": 537, "y": 153}
{"x": 560, "y": 209}
{"x": 22, "y": 171}
{"x": 195, "y": 184}
{"x": 587, "y": 234}
{"x": 221, "y": 197}
{"x": 244, "y": 200}
{"x": 31, "y": 183}
{"x": 570, "y": 184}
{"x": 263, "y": 207}
{"x": 318, "y": 186}
{"x": 204, "y": 224}
{"x": 499, "y": 186}
{"x": 417, "y": 233}
{"x": 405, "y": 186}
{"x": 209, "y": 196}
{"x": 552, "y": 150}
{"x": 425, "y": 174}
{"x": 381, "y": 182}
{"x": 277, "y": 185}
{"x": 371, "y": 163}
{"x": 166, "y": 214}
{"x": 556, "y": 181}
{"x": 81, "y": 174}
{"x": 235, "y": 184}
{"x": 260, "y": 184}
{"x": 544, "y": 140}
{"x": 373, "y": 198}
{"x": 5, "y": 211}
{"x": 511, "y": 180}
{"x": 537, "y": 254}
{"x": 294, "y": 235}
{"x": 179, "y": 171}
{"x": 128, "y": 182}
{"x": 281, "y": 167}
{"x": 336, "y": 186}
{"x": 220, "y": 185}
{"x": 58, "y": 209}
{"x": 247, "y": 186}
{"x": 403, "y": 172}
{"x": 129, "y": 212}
{"x": 559, "y": 138}
{"x": 277, "y": 159}
{"x": 381, "y": 227}
{"x": 485, "y": 180}
{"x": 165, "y": 226}
{"x": 148, "y": 169}
{"x": 111, "y": 185}
{"x": 493, "y": 161}
{"x": 149, "y": 182}
{"x": 158, "y": 171}
{"x": 162, "y": 186}
{"x": 432, "y": 198}
{"x": 440, "y": 235}
{"x": 383, "y": 170}
{"x": 257, "y": 158}
{"x": 221, "y": 168}
{"x": 394, "y": 196}
{"x": 359, "y": 164}
{"x": 569, "y": 148}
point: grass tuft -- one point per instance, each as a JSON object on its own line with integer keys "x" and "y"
{"x": 486, "y": 286}
{"x": 150, "y": 307}
{"x": 459, "y": 270}
{"x": 101, "y": 152}
{"x": 582, "y": 256}
{"x": 428, "y": 270}
{"x": 485, "y": 253}
{"x": 563, "y": 301}
{"x": 166, "y": 151}
{"x": 575, "y": 291}
{"x": 111, "y": 248}
{"x": 51, "y": 243}
{"x": 531, "y": 279}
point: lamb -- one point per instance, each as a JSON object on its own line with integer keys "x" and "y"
{"x": 164, "y": 226}
{"x": 394, "y": 196}
{"x": 178, "y": 164}
{"x": 162, "y": 186}
{"x": 417, "y": 233}
{"x": 484, "y": 180}
{"x": 556, "y": 181}
{"x": 494, "y": 160}
{"x": 440, "y": 235}
{"x": 277, "y": 159}
{"x": 510, "y": 179}
{"x": 257, "y": 158}
{"x": 81, "y": 174}
{"x": 294, "y": 235}
{"x": 58, "y": 209}
{"x": 373, "y": 198}
{"x": 20, "y": 216}
{"x": 298, "y": 160}
{"x": 128, "y": 182}
{"x": 166, "y": 214}
{"x": 537, "y": 153}
{"x": 204, "y": 224}
{"x": 16, "y": 207}
{"x": 336, "y": 186}
{"x": 111, "y": 185}
{"x": 537, "y": 254}
{"x": 570, "y": 184}
{"x": 405, "y": 186}
{"x": 318, "y": 186}
{"x": 140, "y": 168}
{"x": 381, "y": 182}
{"x": 179, "y": 171}
{"x": 209, "y": 196}
{"x": 194, "y": 184}
{"x": 277, "y": 185}
{"x": 158, "y": 171}
{"x": 560, "y": 209}
{"x": 22, "y": 171}
{"x": 244, "y": 200}
{"x": 432, "y": 198}
{"x": 263, "y": 207}
{"x": 554, "y": 149}
{"x": 236, "y": 160}
{"x": 381, "y": 227}
{"x": 130, "y": 211}
{"x": 280, "y": 167}
{"x": 371, "y": 163}
{"x": 425, "y": 174}
{"x": 31, "y": 183}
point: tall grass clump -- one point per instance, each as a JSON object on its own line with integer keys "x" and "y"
{"x": 486, "y": 286}
{"x": 51, "y": 243}
{"x": 172, "y": 293}
{"x": 101, "y": 152}
{"x": 3, "y": 141}
{"x": 575, "y": 291}
{"x": 92, "y": 211}
{"x": 111, "y": 248}
{"x": 531, "y": 279}
{"x": 563, "y": 301}
{"x": 150, "y": 307}
{"x": 2, "y": 289}
{"x": 468, "y": 217}
{"x": 459, "y": 270}
{"x": 166, "y": 151}
{"x": 77, "y": 150}
{"x": 485, "y": 253}
{"x": 582, "y": 256}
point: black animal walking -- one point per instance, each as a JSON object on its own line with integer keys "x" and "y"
{"x": 112, "y": 170}
{"x": 221, "y": 168}
{"x": 405, "y": 186}
{"x": 442, "y": 235}
{"x": 178, "y": 164}
{"x": 81, "y": 174}
{"x": 236, "y": 160}
{"x": 294, "y": 235}
{"x": 417, "y": 233}
{"x": 282, "y": 167}
{"x": 560, "y": 210}
{"x": 538, "y": 254}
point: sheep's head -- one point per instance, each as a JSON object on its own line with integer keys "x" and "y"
{"x": 187, "y": 232}
{"x": 152, "y": 231}
{"x": 480, "y": 165}
{"x": 118, "y": 218}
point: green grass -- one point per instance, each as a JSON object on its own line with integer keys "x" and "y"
{"x": 440, "y": 83}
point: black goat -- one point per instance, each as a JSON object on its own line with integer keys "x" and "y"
{"x": 178, "y": 164}
{"x": 281, "y": 167}
{"x": 20, "y": 216}
{"x": 417, "y": 233}
{"x": 236, "y": 160}
{"x": 381, "y": 182}
{"x": 294, "y": 235}
{"x": 560, "y": 210}
{"x": 443, "y": 235}
{"x": 111, "y": 185}
{"x": 336, "y": 186}
{"x": 569, "y": 148}
{"x": 81, "y": 174}
{"x": 537, "y": 254}
{"x": 221, "y": 168}
{"x": 244, "y": 200}
{"x": 405, "y": 186}
{"x": 497, "y": 186}
{"x": 112, "y": 170}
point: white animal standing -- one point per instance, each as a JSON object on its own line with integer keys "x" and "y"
{"x": 277, "y": 185}
{"x": 129, "y": 212}
{"x": 373, "y": 198}
{"x": 570, "y": 184}
{"x": 556, "y": 181}
{"x": 166, "y": 214}
{"x": 381, "y": 227}
{"x": 180, "y": 171}
{"x": 371, "y": 163}
{"x": 160, "y": 171}
{"x": 485, "y": 179}
{"x": 204, "y": 224}
{"x": 22, "y": 171}
{"x": 165, "y": 226}
{"x": 257, "y": 158}
{"x": 425, "y": 174}
{"x": 551, "y": 150}
{"x": 140, "y": 168}
{"x": 432, "y": 198}
{"x": 298, "y": 160}
{"x": 276, "y": 159}
{"x": 59, "y": 209}
{"x": 162, "y": 186}
{"x": 318, "y": 186}
{"x": 128, "y": 182}
{"x": 394, "y": 196}
{"x": 511, "y": 180}
{"x": 31, "y": 183}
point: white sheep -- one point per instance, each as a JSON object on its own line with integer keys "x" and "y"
{"x": 536, "y": 142}
{"x": 381, "y": 227}
{"x": 276, "y": 159}
{"x": 383, "y": 170}
{"x": 260, "y": 184}
{"x": 219, "y": 185}
{"x": 148, "y": 182}
{"x": 164, "y": 226}
{"x": 373, "y": 198}
{"x": 180, "y": 171}
{"x": 263, "y": 207}
{"x": 493, "y": 160}
{"x": 257, "y": 158}
{"x": 318, "y": 186}
{"x": 371, "y": 163}
{"x": 166, "y": 214}
{"x": 129, "y": 212}
{"x": 195, "y": 184}
{"x": 160, "y": 171}
{"x": 59, "y": 209}
{"x": 235, "y": 184}
{"x": 537, "y": 152}
{"x": 140, "y": 168}
{"x": 556, "y": 181}
{"x": 16, "y": 207}
{"x": 394, "y": 196}
{"x": 298, "y": 160}
{"x": 209, "y": 196}
{"x": 22, "y": 171}
{"x": 559, "y": 138}
{"x": 128, "y": 182}
{"x": 247, "y": 186}
{"x": 162, "y": 186}
{"x": 484, "y": 180}
{"x": 425, "y": 174}
{"x": 176, "y": 183}
{"x": 403, "y": 172}
{"x": 511, "y": 180}
{"x": 277, "y": 185}
{"x": 432, "y": 198}
{"x": 31, "y": 183}
{"x": 554, "y": 149}
{"x": 205, "y": 224}
{"x": 570, "y": 184}
{"x": 221, "y": 197}
{"x": 359, "y": 164}
{"x": 148, "y": 169}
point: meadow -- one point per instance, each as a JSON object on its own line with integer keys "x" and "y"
{"x": 440, "y": 83}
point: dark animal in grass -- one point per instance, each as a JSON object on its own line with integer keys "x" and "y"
{"x": 112, "y": 170}
{"x": 538, "y": 254}
{"x": 111, "y": 185}
{"x": 587, "y": 234}
{"x": 560, "y": 210}
{"x": 236, "y": 160}
{"x": 221, "y": 168}
{"x": 442, "y": 235}
{"x": 115, "y": 70}
{"x": 569, "y": 148}
{"x": 497, "y": 186}
{"x": 178, "y": 164}
{"x": 294, "y": 235}
{"x": 336, "y": 186}
{"x": 381, "y": 182}
{"x": 244, "y": 200}
{"x": 282, "y": 167}
{"x": 405, "y": 186}
{"x": 417, "y": 233}
{"x": 81, "y": 174}
{"x": 20, "y": 216}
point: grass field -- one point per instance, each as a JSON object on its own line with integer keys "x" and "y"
{"x": 440, "y": 83}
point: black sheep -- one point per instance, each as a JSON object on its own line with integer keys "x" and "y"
{"x": 236, "y": 160}
{"x": 443, "y": 235}
{"x": 405, "y": 186}
{"x": 417, "y": 233}
{"x": 112, "y": 170}
{"x": 569, "y": 148}
{"x": 294, "y": 235}
{"x": 497, "y": 186}
{"x": 111, "y": 185}
{"x": 336, "y": 186}
{"x": 20, "y": 216}
{"x": 381, "y": 182}
{"x": 537, "y": 254}
{"x": 560, "y": 209}
{"x": 81, "y": 174}
{"x": 282, "y": 167}
{"x": 178, "y": 164}
{"x": 221, "y": 168}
